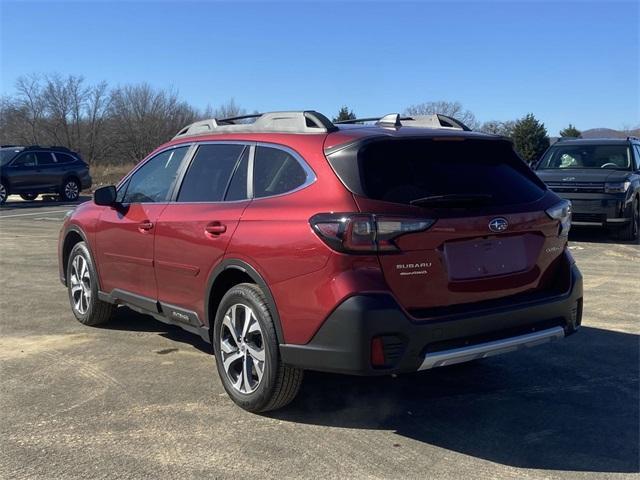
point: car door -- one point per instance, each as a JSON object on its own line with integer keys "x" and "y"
{"x": 125, "y": 232}
{"x": 23, "y": 172}
{"x": 194, "y": 231}
{"x": 47, "y": 171}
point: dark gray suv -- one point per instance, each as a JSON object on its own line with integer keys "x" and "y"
{"x": 601, "y": 177}
{"x": 29, "y": 171}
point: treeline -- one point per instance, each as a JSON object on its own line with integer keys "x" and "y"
{"x": 120, "y": 125}
{"x": 105, "y": 125}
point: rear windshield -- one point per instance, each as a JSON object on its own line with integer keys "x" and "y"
{"x": 402, "y": 171}
{"x": 616, "y": 157}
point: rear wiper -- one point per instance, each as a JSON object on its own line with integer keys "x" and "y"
{"x": 452, "y": 198}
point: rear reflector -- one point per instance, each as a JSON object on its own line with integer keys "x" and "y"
{"x": 377, "y": 352}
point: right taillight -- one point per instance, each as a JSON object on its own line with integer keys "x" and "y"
{"x": 360, "y": 233}
{"x": 561, "y": 212}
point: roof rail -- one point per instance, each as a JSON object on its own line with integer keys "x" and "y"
{"x": 437, "y": 120}
{"x": 307, "y": 121}
{"x": 631, "y": 137}
{"x": 48, "y": 147}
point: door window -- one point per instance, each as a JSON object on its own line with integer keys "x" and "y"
{"x": 210, "y": 171}
{"x": 153, "y": 181}
{"x": 25, "y": 160}
{"x": 44, "y": 158}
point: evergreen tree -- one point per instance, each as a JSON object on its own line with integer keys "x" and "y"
{"x": 530, "y": 138}
{"x": 344, "y": 114}
{"x": 571, "y": 131}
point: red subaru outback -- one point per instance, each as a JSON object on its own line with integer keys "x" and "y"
{"x": 294, "y": 243}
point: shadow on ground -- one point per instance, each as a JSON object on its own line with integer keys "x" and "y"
{"x": 570, "y": 405}
{"x": 597, "y": 235}
{"x": 129, "y": 320}
{"x": 15, "y": 201}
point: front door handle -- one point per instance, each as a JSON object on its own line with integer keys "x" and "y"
{"x": 215, "y": 228}
{"x": 145, "y": 226}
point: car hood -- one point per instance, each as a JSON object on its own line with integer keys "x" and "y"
{"x": 582, "y": 175}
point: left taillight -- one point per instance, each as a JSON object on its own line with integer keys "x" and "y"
{"x": 365, "y": 233}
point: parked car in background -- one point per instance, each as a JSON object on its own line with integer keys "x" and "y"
{"x": 601, "y": 178}
{"x": 295, "y": 243}
{"x": 30, "y": 171}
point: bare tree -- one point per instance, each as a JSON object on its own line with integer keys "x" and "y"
{"x": 30, "y": 103}
{"x": 141, "y": 118}
{"x": 228, "y": 110}
{"x": 497, "y": 127}
{"x": 451, "y": 109}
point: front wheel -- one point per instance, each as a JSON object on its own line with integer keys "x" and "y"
{"x": 4, "y": 193}
{"x": 29, "y": 197}
{"x": 70, "y": 191}
{"x": 83, "y": 288}
{"x": 631, "y": 231}
{"x": 247, "y": 355}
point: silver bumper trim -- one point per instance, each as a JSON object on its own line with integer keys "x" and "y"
{"x": 488, "y": 349}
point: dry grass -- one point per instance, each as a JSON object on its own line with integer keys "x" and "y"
{"x": 108, "y": 174}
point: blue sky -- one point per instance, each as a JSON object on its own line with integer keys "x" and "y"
{"x": 575, "y": 61}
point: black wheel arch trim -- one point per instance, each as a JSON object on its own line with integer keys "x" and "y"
{"x": 76, "y": 229}
{"x": 233, "y": 263}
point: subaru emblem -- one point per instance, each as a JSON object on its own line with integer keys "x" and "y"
{"x": 498, "y": 224}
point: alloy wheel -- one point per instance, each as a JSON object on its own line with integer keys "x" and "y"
{"x": 3, "y": 193}
{"x": 242, "y": 348}
{"x": 71, "y": 190}
{"x": 80, "y": 284}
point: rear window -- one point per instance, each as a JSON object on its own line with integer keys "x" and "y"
{"x": 402, "y": 171}
{"x": 616, "y": 157}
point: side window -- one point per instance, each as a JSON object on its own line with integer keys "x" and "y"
{"x": 25, "y": 160}
{"x": 209, "y": 173}
{"x": 44, "y": 158}
{"x": 276, "y": 171}
{"x": 63, "y": 158}
{"x": 238, "y": 187}
{"x": 153, "y": 181}
{"x": 637, "y": 148}
{"x": 121, "y": 192}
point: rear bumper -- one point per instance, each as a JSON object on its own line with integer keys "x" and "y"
{"x": 343, "y": 343}
{"x": 85, "y": 181}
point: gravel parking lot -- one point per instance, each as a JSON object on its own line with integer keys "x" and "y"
{"x": 139, "y": 399}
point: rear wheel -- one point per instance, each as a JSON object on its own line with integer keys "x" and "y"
{"x": 29, "y": 196}
{"x": 631, "y": 231}
{"x": 83, "y": 288}
{"x": 247, "y": 355}
{"x": 70, "y": 190}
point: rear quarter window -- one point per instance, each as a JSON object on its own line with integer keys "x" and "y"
{"x": 275, "y": 172}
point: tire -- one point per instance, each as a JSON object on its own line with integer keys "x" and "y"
{"x": 278, "y": 384}
{"x": 630, "y": 231}
{"x": 4, "y": 193}
{"x": 29, "y": 197}
{"x": 70, "y": 191}
{"x": 83, "y": 288}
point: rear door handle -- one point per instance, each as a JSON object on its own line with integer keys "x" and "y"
{"x": 215, "y": 228}
{"x": 145, "y": 226}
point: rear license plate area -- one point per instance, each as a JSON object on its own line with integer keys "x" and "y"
{"x": 485, "y": 257}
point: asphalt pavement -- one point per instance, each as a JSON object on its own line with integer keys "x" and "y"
{"x": 138, "y": 399}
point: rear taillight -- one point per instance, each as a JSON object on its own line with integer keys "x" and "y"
{"x": 361, "y": 232}
{"x": 561, "y": 212}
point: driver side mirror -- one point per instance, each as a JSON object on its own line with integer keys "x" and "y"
{"x": 105, "y": 196}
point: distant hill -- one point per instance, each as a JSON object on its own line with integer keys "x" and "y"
{"x": 609, "y": 133}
